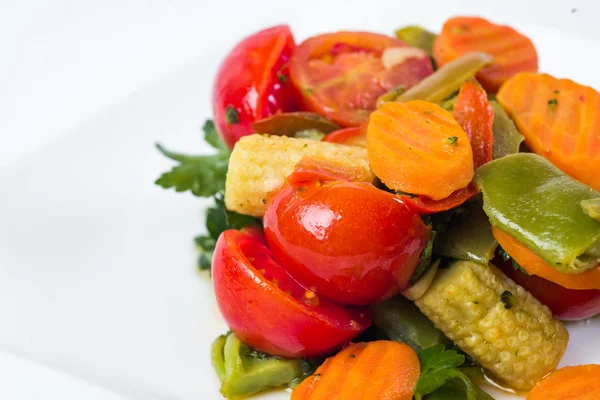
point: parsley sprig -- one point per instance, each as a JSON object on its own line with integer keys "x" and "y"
{"x": 203, "y": 175}
{"x": 440, "y": 367}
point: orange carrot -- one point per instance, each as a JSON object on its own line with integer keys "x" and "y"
{"x": 581, "y": 382}
{"x": 535, "y": 265}
{"x": 353, "y": 136}
{"x": 513, "y": 52}
{"x": 383, "y": 370}
{"x": 417, "y": 147}
{"x": 560, "y": 120}
{"x": 475, "y": 115}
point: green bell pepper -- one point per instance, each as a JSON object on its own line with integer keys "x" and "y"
{"x": 244, "y": 371}
{"x": 401, "y": 320}
{"x": 469, "y": 238}
{"x": 527, "y": 197}
{"x": 507, "y": 138}
{"x": 418, "y": 37}
{"x": 592, "y": 208}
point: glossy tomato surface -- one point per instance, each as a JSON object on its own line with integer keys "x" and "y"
{"x": 341, "y": 75}
{"x": 268, "y": 310}
{"x": 566, "y": 304}
{"x": 253, "y": 83}
{"x": 350, "y": 242}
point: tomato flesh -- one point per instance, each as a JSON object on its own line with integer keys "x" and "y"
{"x": 350, "y": 242}
{"x": 253, "y": 83}
{"x": 268, "y": 310}
{"x": 342, "y": 74}
{"x": 566, "y": 304}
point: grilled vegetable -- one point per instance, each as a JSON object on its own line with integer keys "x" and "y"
{"x": 383, "y": 370}
{"x": 244, "y": 371}
{"x": 507, "y": 138}
{"x": 402, "y": 321}
{"x": 499, "y": 324}
{"x": 527, "y": 197}
{"x": 259, "y": 165}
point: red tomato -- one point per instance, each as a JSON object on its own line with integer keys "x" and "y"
{"x": 349, "y": 241}
{"x": 566, "y": 304}
{"x": 268, "y": 310}
{"x": 341, "y": 75}
{"x": 353, "y": 136}
{"x": 253, "y": 83}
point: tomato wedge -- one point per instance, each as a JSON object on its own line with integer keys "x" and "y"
{"x": 353, "y": 136}
{"x": 341, "y": 75}
{"x": 252, "y": 83}
{"x": 268, "y": 310}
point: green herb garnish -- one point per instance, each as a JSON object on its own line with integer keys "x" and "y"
{"x": 231, "y": 115}
{"x": 507, "y": 299}
{"x": 452, "y": 140}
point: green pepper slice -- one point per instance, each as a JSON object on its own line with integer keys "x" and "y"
{"x": 507, "y": 138}
{"x": 532, "y": 200}
{"x": 244, "y": 371}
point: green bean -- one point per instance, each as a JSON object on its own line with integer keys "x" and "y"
{"x": 448, "y": 79}
{"x": 402, "y": 321}
{"x": 392, "y": 95}
{"x": 507, "y": 138}
{"x": 470, "y": 238}
{"x": 416, "y": 36}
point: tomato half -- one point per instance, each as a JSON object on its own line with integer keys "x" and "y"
{"x": 253, "y": 83}
{"x": 268, "y": 310}
{"x": 566, "y": 304}
{"x": 349, "y": 241}
{"x": 341, "y": 75}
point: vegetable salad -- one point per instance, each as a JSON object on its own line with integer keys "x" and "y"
{"x": 398, "y": 217}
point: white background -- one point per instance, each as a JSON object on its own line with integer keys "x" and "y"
{"x": 65, "y": 62}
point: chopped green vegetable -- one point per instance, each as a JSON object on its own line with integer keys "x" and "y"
{"x": 244, "y": 371}
{"x": 231, "y": 115}
{"x": 439, "y": 367}
{"x": 403, "y": 322}
{"x": 507, "y": 138}
{"x": 468, "y": 236}
{"x": 203, "y": 175}
{"x": 218, "y": 219}
{"x": 448, "y": 79}
{"x": 418, "y": 37}
{"x": 532, "y": 200}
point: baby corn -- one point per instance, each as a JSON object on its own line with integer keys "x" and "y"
{"x": 498, "y": 323}
{"x": 260, "y": 164}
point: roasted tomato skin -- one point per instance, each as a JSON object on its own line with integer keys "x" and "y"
{"x": 268, "y": 310}
{"x": 349, "y": 241}
{"x": 341, "y": 75}
{"x": 253, "y": 83}
{"x": 566, "y": 304}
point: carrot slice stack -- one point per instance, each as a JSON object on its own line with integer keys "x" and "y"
{"x": 418, "y": 147}
{"x": 560, "y": 120}
{"x": 513, "y": 52}
{"x": 383, "y": 370}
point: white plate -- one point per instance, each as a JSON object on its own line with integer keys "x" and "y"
{"x": 97, "y": 265}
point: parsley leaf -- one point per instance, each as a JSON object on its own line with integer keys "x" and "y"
{"x": 425, "y": 258}
{"x": 203, "y": 175}
{"x": 218, "y": 220}
{"x": 439, "y": 367}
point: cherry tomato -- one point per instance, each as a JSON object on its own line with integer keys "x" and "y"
{"x": 268, "y": 310}
{"x": 349, "y": 241}
{"x": 341, "y": 75}
{"x": 566, "y": 304}
{"x": 253, "y": 83}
